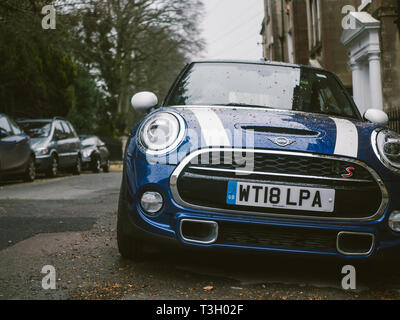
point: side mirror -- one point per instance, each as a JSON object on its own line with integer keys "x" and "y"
{"x": 376, "y": 116}
{"x": 144, "y": 101}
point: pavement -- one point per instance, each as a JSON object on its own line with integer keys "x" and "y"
{"x": 70, "y": 223}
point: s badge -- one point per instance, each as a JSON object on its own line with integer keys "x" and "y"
{"x": 349, "y": 173}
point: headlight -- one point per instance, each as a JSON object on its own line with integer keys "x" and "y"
{"x": 161, "y": 133}
{"x": 387, "y": 147}
{"x": 86, "y": 153}
{"x": 41, "y": 151}
{"x": 394, "y": 221}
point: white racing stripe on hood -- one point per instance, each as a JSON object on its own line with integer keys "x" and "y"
{"x": 212, "y": 129}
{"x": 346, "y": 138}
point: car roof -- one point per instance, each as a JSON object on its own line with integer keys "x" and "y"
{"x": 261, "y": 61}
{"x": 25, "y": 120}
{"x": 34, "y": 120}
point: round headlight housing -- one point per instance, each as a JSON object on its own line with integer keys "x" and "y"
{"x": 387, "y": 148}
{"x": 161, "y": 133}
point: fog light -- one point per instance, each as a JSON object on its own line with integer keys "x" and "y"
{"x": 394, "y": 221}
{"x": 151, "y": 202}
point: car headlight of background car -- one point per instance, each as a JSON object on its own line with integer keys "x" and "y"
{"x": 387, "y": 148}
{"x": 161, "y": 133}
{"x": 86, "y": 153}
{"x": 41, "y": 151}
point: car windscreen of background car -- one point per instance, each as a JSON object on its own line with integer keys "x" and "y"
{"x": 269, "y": 86}
{"x": 37, "y": 129}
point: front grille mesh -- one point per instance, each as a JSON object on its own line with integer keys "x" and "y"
{"x": 281, "y": 164}
{"x": 276, "y": 237}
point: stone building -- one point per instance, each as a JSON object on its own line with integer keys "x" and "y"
{"x": 307, "y": 32}
{"x": 374, "y": 53}
{"x": 313, "y": 32}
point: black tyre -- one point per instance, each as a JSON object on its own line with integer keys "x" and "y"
{"x": 128, "y": 246}
{"x": 30, "y": 172}
{"x": 106, "y": 167}
{"x": 52, "y": 171}
{"x": 78, "y": 166}
{"x": 96, "y": 164}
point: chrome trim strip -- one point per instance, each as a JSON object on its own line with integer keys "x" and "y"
{"x": 43, "y": 157}
{"x": 68, "y": 154}
{"x": 175, "y": 194}
{"x": 213, "y": 237}
{"x": 277, "y": 174}
{"x": 357, "y": 253}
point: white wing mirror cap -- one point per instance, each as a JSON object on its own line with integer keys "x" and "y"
{"x": 376, "y": 116}
{"x": 144, "y": 101}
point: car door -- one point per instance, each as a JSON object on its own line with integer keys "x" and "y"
{"x": 69, "y": 144}
{"x": 75, "y": 141}
{"x": 61, "y": 144}
{"x": 14, "y": 146}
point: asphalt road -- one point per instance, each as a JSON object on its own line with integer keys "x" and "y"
{"x": 70, "y": 223}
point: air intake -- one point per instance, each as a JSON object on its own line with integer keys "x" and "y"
{"x": 199, "y": 231}
{"x": 354, "y": 243}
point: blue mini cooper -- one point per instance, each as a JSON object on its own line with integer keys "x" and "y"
{"x": 260, "y": 156}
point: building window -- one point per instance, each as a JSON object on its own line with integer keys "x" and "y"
{"x": 269, "y": 10}
{"x": 315, "y": 14}
{"x": 318, "y": 19}
{"x": 290, "y": 47}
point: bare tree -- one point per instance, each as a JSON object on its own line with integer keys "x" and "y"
{"x": 120, "y": 40}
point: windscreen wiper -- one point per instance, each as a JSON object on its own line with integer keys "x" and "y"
{"x": 243, "y": 105}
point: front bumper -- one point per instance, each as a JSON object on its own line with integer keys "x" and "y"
{"x": 316, "y": 237}
{"x": 43, "y": 163}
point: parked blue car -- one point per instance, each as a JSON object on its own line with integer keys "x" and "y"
{"x": 260, "y": 156}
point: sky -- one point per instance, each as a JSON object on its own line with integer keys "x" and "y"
{"x": 231, "y": 29}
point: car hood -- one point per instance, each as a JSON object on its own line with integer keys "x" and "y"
{"x": 37, "y": 143}
{"x": 90, "y": 147}
{"x": 276, "y": 129}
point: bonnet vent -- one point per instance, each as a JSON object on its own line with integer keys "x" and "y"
{"x": 278, "y": 130}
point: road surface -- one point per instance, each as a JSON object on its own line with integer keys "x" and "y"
{"x": 70, "y": 223}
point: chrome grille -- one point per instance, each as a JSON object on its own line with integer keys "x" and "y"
{"x": 281, "y": 164}
{"x": 200, "y": 182}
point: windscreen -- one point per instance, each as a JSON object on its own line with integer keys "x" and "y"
{"x": 36, "y": 129}
{"x": 263, "y": 86}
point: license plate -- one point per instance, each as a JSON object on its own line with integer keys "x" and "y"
{"x": 280, "y": 197}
